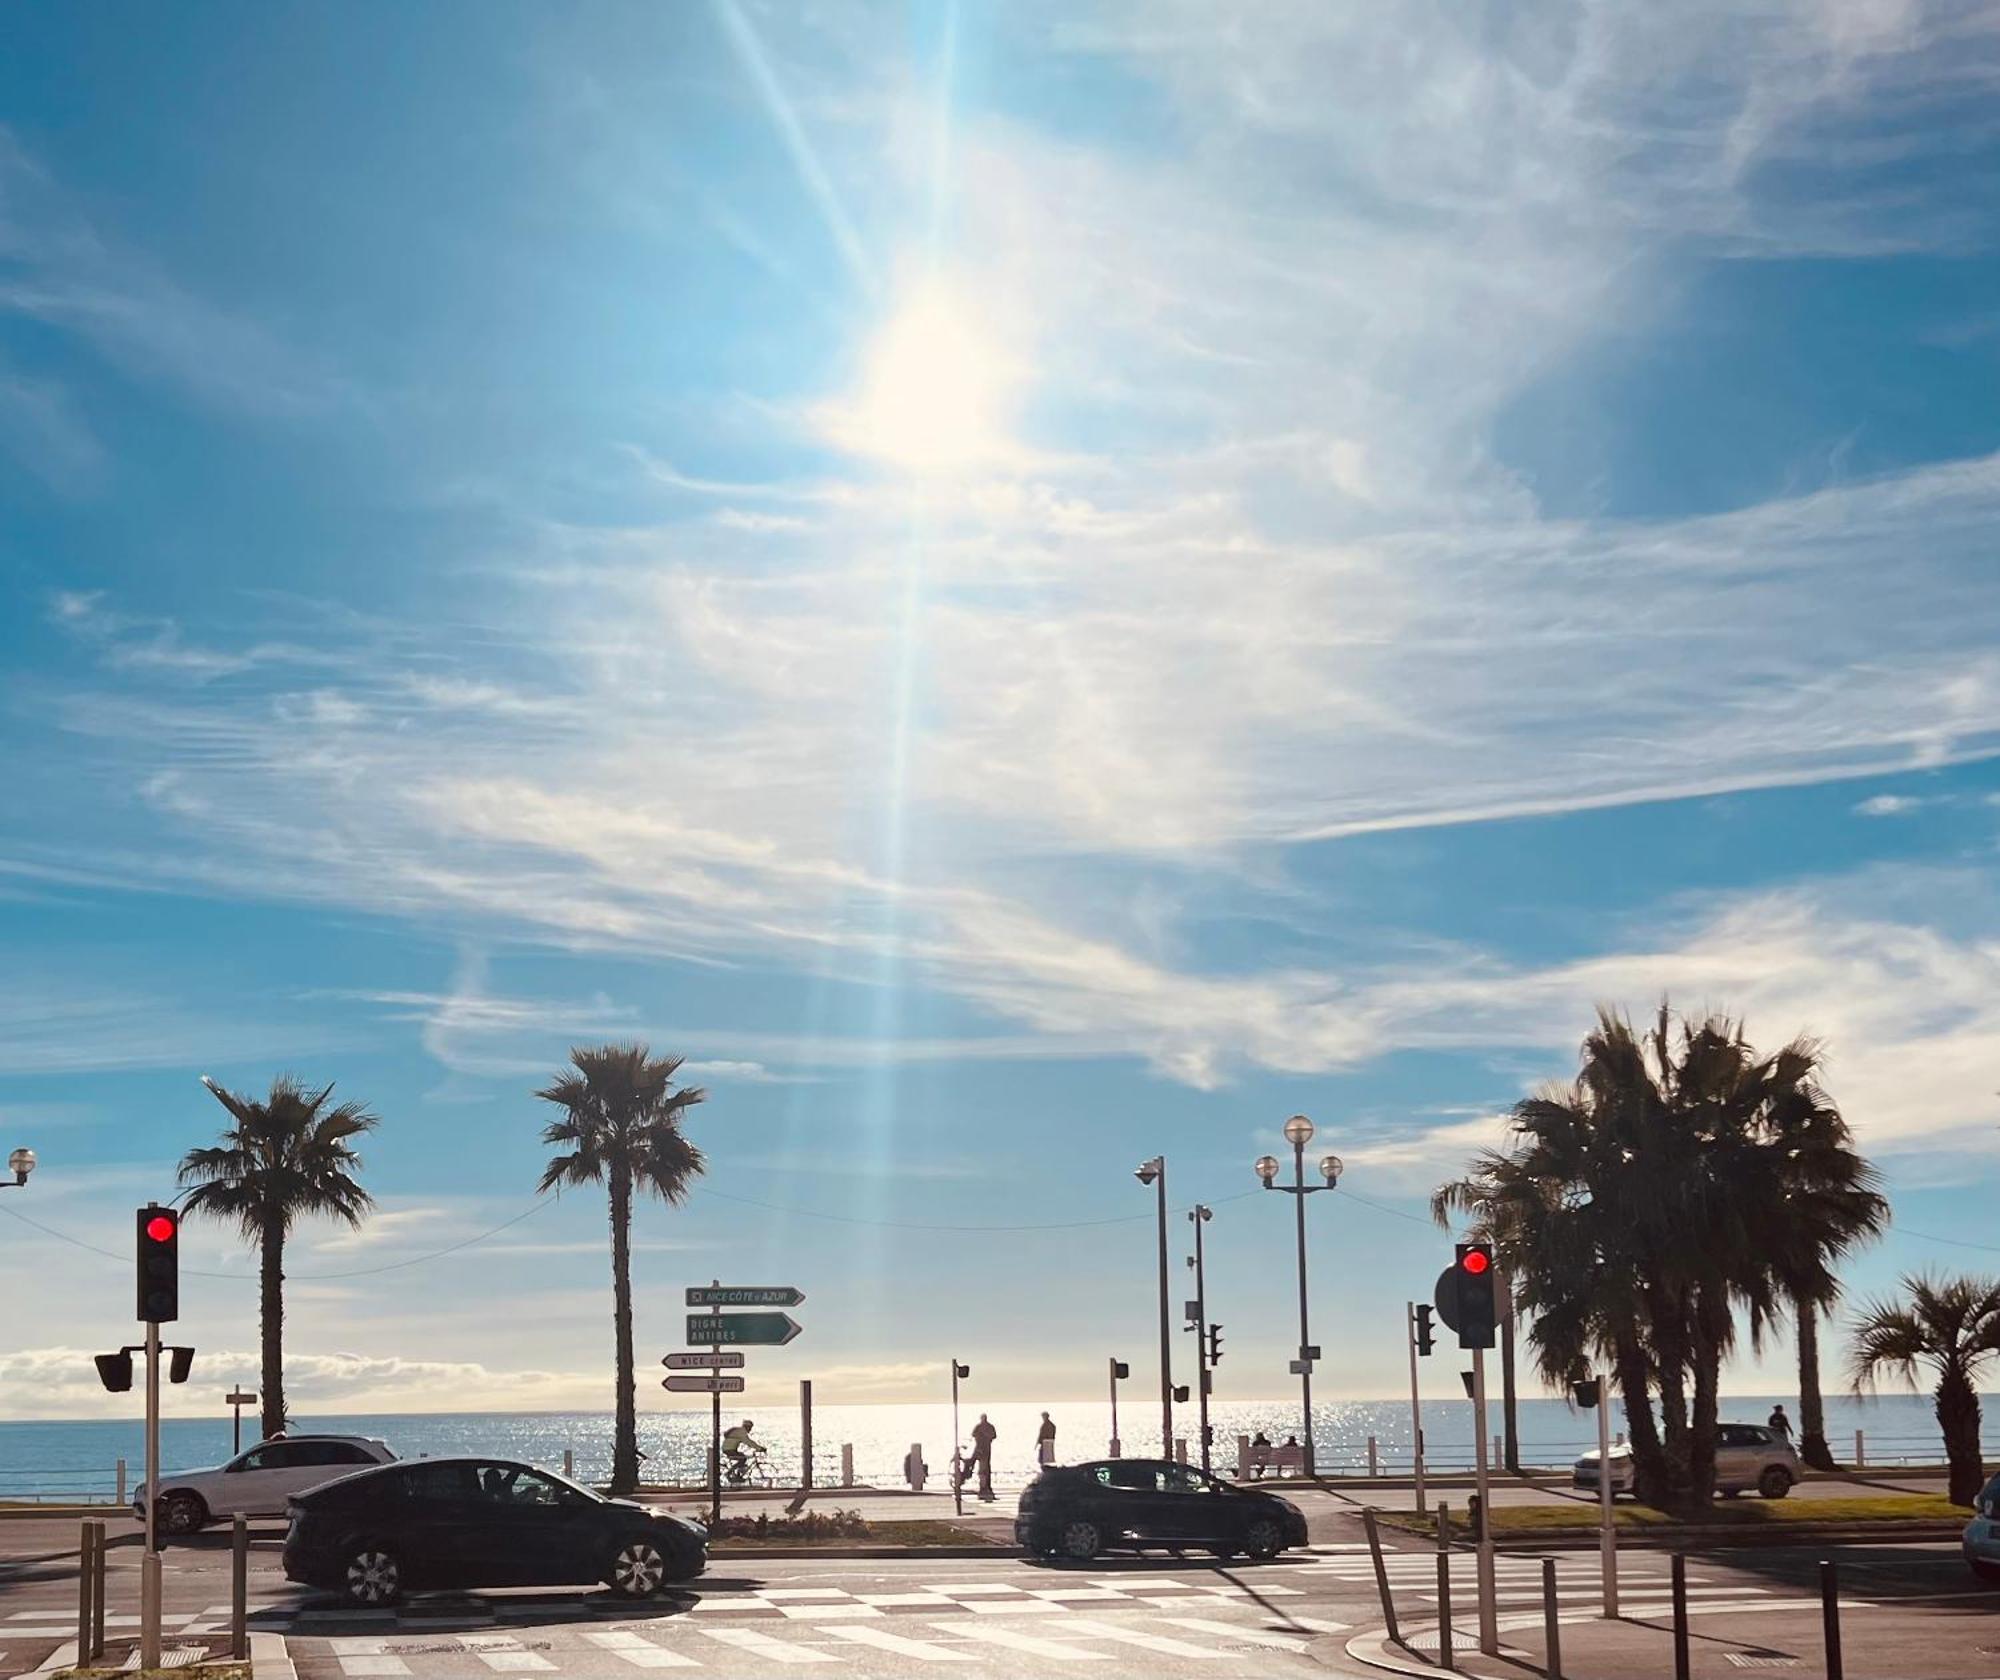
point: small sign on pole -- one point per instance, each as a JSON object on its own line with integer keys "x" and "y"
{"x": 746, "y": 1295}
{"x": 702, "y": 1385}
{"x": 750, "y": 1329}
{"x": 716, "y": 1360}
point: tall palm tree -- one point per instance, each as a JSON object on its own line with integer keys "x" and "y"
{"x": 1951, "y": 1325}
{"x": 286, "y": 1158}
{"x": 621, "y": 1127}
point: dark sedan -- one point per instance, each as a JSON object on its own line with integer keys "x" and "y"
{"x": 480, "y": 1522}
{"x": 1140, "y": 1504}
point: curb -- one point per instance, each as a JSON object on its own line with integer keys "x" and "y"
{"x": 1768, "y": 1537}
{"x": 727, "y": 1550}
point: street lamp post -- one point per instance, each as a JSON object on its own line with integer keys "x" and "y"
{"x": 1299, "y": 1133}
{"x": 1199, "y": 1216}
{"x": 1154, "y": 1172}
{"x": 20, "y": 1164}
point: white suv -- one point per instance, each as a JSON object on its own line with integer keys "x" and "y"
{"x": 1747, "y": 1455}
{"x": 258, "y": 1482}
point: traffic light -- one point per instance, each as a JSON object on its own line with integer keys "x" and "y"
{"x": 1472, "y": 1272}
{"x": 159, "y": 1265}
{"x": 1214, "y": 1343}
{"x": 1181, "y": 1391}
{"x": 1120, "y": 1370}
{"x": 114, "y": 1370}
{"x": 1584, "y": 1394}
{"x": 1470, "y": 1382}
{"x": 1426, "y": 1341}
{"x": 963, "y": 1371}
{"x": 180, "y": 1364}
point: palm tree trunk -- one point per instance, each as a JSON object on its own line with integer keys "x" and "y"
{"x": 1958, "y": 1417}
{"x": 271, "y": 1312}
{"x": 1649, "y": 1465}
{"x": 1706, "y": 1409}
{"x": 1812, "y": 1409}
{"x": 625, "y": 1448}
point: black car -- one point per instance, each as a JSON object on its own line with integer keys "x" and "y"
{"x": 480, "y": 1522}
{"x": 1138, "y": 1504}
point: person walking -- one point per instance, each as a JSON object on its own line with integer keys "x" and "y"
{"x": 1782, "y": 1424}
{"x": 1045, "y": 1442}
{"x": 983, "y": 1433}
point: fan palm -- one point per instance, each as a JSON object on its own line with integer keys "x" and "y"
{"x": 287, "y": 1157}
{"x": 621, "y": 1127}
{"x": 1952, "y": 1326}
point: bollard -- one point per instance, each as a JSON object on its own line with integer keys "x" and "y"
{"x": 1180, "y": 1452}
{"x": 1551, "y": 1623}
{"x": 1860, "y": 1452}
{"x": 1381, "y": 1574}
{"x": 1680, "y": 1616}
{"x": 239, "y": 1589}
{"x": 1444, "y": 1608}
{"x": 86, "y": 1582}
{"x": 1372, "y": 1467}
{"x": 1444, "y": 1526}
{"x": 847, "y": 1464}
{"x": 121, "y": 1481}
{"x": 1498, "y": 1457}
{"x": 569, "y": 1464}
{"x": 97, "y": 1594}
{"x": 1242, "y": 1458}
{"x": 1829, "y": 1612}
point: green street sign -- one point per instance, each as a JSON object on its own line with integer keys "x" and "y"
{"x": 746, "y": 1295}
{"x": 755, "y": 1329}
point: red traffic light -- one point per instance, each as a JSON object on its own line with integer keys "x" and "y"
{"x": 161, "y": 1228}
{"x": 1475, "y": 1261}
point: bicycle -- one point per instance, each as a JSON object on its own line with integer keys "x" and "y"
{"x": 744, "y": 1470}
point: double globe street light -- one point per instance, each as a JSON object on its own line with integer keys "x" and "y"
{"x": 1299, "y": 1133}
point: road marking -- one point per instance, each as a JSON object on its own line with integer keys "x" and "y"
{"x": 1012, "y": 1607}
{"x": 927, "y": 1600}
{"x": 359, "y": 1665}
{"x": 629, "y": 1647}
{"x": 1242, "y": 1635}
{"x": 1145, "y": 1641}
{"x": 1060, "y": 1650}
{"x": 970, "y": 1587}
{"x": 922, "y": 1649}
{"x": 1081, "y": 1595}
{"x": 763, "y": 1645}
{"x": 829, "y": 1612}
{"x": 803, "y": 1592}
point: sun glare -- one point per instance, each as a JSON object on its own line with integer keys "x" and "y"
{"x": 935, "y": 391}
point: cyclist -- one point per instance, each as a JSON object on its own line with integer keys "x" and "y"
{"x": 737, "y": 1445}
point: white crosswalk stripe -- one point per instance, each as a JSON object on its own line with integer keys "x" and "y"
{"x": 360, "y": 1666}
{"x": 1156, "y": 1642}
{"x": 1241, "y": 1635}
{"x": 924, "y": 1650}
{"x": 628, "y": 1647}
{"x": 763, "y": 1645}
{"x": 1055, "y": 1649}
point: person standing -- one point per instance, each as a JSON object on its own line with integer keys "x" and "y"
{"x": 1045, "y": 1442}
{"x": 983, "y": 1433}
{"x": 1781, "y": 1423}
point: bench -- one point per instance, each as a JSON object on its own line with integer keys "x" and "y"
{"x": 1253, "y": 1462}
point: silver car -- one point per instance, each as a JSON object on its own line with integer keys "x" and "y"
{"x": 257, "y": 1482}
{"x": 1747, "y": 1455}
{"x": 1982, "y": 1534}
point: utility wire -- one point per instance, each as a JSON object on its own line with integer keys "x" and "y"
{"x": 904, "y": 1225}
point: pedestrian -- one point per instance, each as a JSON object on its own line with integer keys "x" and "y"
{"x": 1260, "y": 1455}
{"x": 983, "y": 1433}
{"x": 1045, "y": 1442}
{"x": 1781, "y": 1423}
{"x": 914, "y": 1468}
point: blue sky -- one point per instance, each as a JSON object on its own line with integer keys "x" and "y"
{"x": 1024, "y": 585}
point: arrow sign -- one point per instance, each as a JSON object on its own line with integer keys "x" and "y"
{"x": 747, "y": 1295}
{"x": 718, "y": 1361}
{"x": 703, "y": 1385}
{"x": 758, "y": 1329}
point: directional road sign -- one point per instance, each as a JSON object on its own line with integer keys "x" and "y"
{"x": 747, "y": 1295}
{"x": 703, "y": 1385}
{"x": 757, "y": 1329}
{"x": 703, "y": 1361}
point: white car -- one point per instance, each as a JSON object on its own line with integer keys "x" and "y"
{"x": 258, "y": 1482}
{"x": 1747, "y": 1455}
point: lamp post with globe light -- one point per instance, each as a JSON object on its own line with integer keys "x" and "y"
{"x": 20, "y": 1164}
{"x": 1299, "y": 1133}
{"x": 1154, "y": 1173}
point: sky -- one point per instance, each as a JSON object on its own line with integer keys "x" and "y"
{"x": 1026, "y": 586}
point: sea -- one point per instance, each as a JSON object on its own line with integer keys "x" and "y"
{"x": 70, "y": 1460}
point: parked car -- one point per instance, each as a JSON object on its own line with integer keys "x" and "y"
{"x": 480, "y": 1522}
{"x": 257, "y": 1483}
{"x": 1137, "y": 1504}
{"x": 1982, "y": 1534}
{"x": 1747, "y": 1455}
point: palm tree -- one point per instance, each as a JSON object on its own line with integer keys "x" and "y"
{"x": 621, "y": 1127}
{"x": 285, "y": 1158}
{"x": 1951, "y": 1325}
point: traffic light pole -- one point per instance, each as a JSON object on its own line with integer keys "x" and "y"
{"x": 1201, "y": 1364}
{"x": 149, "y": 1565}
{"x": 1117, "y": 1446}
{"x": 957, "y": 1441}
{"x": 1166, "y": 1328}
{"x": 1489, "y": 1621}
{"x": 1416, "y": 1406}
{"x": 1607, "y": 1541}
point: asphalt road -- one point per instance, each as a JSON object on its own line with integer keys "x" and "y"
{"x": 1159, "y": 1617}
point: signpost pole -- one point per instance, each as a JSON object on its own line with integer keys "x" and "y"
{"x": 715, "y": 1460}
{"x": 1416, "y": 1405}
{"x": 149, "y": 1565}
{"x": 1116, "y": 1445}
{"x": 806, "y": 1434}
{"x": 957, "y": 1469}
{"x": 1489, "y": 1621}
{"x": 1607, "y": 1543}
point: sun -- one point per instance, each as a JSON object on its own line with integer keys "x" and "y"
{"x": 936, "y": 392}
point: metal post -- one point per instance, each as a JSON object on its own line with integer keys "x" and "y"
{"x": 847, "y": 1464}
{"x": 1201, "y": 1365}
{"x": 1305, "y": 1335}
{"x": 806, "y": 1435}
{"x": 1607, "y": 1537}
{"x": 1444, "y": 1607}
{"x": 1680, "y": 1574}
{"x": 149, "y": 1565}
{"x": 239, "y": 1589}
{"x": 1381, "y": 1574}
{"x": 1166, "y": 1333}
{"x": 97, "y": 1594}
{"x": 957, "y": 1465}
{"x": 1552, "y": 1663}
{"x": 1373, "y": 1459}
{"x": 86, "y": 1582}
{"x": 569, "y": 1463}
{"x": 715, "y": 1457}
{"x": 121, "y": 1481}
{"x": 1416, "y": 1405}
{"x": 1860, "y": 1452}
{"x": 1117, "y": 1446}
{"x": 1829, "y": 1611}
{"x": 1489, "y": 1619}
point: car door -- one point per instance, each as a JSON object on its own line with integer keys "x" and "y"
{"x": 436, "y": 1520}
{"x": 1737, "y": 1453}
{"x": 1119, "y": 1495}
{"x": 1190, "y": 1505}
{"x": 259, "y": 1483}
{"x": 533, "y": 1530}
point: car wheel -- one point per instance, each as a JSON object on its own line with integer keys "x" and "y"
{"x": 374, "y": 1578}
{"x": 1264, "y": 1538}
{"x": 182, "y": 1513}
{"x": 1775, "y": 1483}
{"x": 638, "y": 1569}
{"x": 1081, "y": 1541}
{"x": 1985, "y": 1570}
